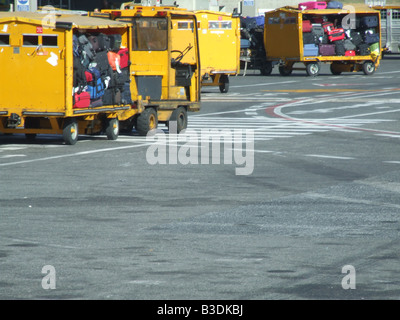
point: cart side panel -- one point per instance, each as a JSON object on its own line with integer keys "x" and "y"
{"x": 33, "y": 68}
{"x": 282, "y": 34}
{"x": 219, "y": 38}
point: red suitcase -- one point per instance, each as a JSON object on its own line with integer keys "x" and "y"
{"x": 307, "y": 26}
{"x": 82, "y": 100}
{"x": 124, "y": 54}
{"x": 327, "y": 26}
{"x": 350, "y": 53}
{"x": 336, "y": 34}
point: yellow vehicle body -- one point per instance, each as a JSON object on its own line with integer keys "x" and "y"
{"x": 36, "y": 87}
{"x": 219, "y": 37}
{"x": 165, "y": 69}
{"x": 37, "y": 92}
{"x": 283, "y": 40}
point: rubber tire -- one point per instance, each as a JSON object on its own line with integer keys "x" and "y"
{"x": 70, "y": 131}
{"x": 266, "y": 68}
{"x": 285, "y": 71}
{"x": 112, "y": 128}
{"x": 335, "y": 72}
{"x": 313, "y": 69}
{"x": 224, "y": 87}
{"x": 147, "y": 121}
{"x": 180, "y": 116}
{"x": 368, "y": 68}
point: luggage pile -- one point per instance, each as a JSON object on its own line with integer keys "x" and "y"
{"x": 101, "y": 71}
{"x": 325, "y": 36}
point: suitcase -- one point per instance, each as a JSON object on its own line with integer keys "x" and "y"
{"x": 356, "y": 38}
{"x": 307, "y": 26}
{"x": 96, "y": 103}
{"x": 124, "y": 60}
{"x": 334, "y": 5}
{"x": 327, "y": 50}
{"x": 102, "y": 63}
{"x": 363, "y": 49}
{"x": 126, "y": 97}
{"x": 82, "y": 100}
{"x": 349, "y": 45}
{"x": 309, "y": 38}
{"x": 371, "y": 38}
{"x": 310, "y": 50}
{"x": 339, "y": 48}
{"x": 318, "y": 31}
{"x": 109, "y": 97}
{"x": 115, "y": 41}
{"x": 79, "y": 73}
{"x": 336, "y": 34}
{"x": 374, "y": 48}
{"x": 369, "y": 22}
{"x": 104, "y": 42}
{"x": 350, "y": 53}
{"x": 327, "y": 26}
{"x": 312, "y": 5}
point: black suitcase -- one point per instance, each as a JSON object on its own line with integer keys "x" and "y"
{"x": 318, "y": 31}
{"x": 356, "y": 37}
{"x": 339, "y": 48}
{"x": 309, "y": 38}
{"x": 349, "y": 45}
{"x": 369, "y": 22}
{"x": 102, "y": 63}
{"x": 109, "y": 97}
{"x": 115, "y": 41}
{"x": 363, "y": 49}
{"x": 104, "y": 42}
{"x": 371, "y": 38}
{"x": 126, "y": 97}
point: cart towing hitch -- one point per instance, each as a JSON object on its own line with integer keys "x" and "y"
{"x": 13, "y": 121}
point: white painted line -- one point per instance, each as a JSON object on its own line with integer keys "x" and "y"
{"x": 393, "y": 162}
{"x": 73, "y": 155}
{"x": 329, "y": 157}
{"x": 12, "y": 156}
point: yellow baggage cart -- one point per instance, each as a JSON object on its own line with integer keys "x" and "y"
{"x": 36, "y": 87}
{"x": 219, "y": 38}
{"x": 284, "y": 40}
{"x": 165, "y": 66}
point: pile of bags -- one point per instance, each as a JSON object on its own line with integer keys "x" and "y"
{"x": 101, "y": 71}
{"x": 326, "y": 36}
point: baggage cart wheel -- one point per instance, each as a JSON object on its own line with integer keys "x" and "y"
{"x": 266, "y": 68}
{"x": 334, "y": 69}
{"x": 70, "y": 131}
{"x": 368, "y": 67}
{"x": 147, "y": 121}
{"x": 312, "y": 69}
{"x": 180, "y": 117}
{"x": 112, "y": 128}
{"x": 224, "y": 86}
{"x": 285, "y": 71}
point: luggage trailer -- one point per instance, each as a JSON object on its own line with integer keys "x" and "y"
{"x": 37, "y": 89}
{"x": 283, "y": 39}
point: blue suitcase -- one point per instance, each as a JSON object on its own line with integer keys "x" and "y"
{"x": 310, "y": 50}
{"x": 369, "y": 22}
{"x": 334, "y": 5}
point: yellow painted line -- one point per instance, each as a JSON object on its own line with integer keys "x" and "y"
{"x": 329, "y": 90}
